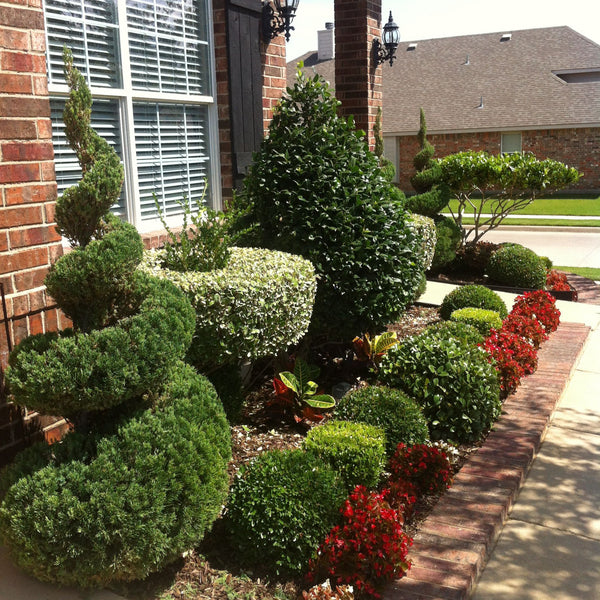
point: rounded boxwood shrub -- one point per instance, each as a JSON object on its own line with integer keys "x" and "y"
{"x": 315, "y": 189}
{"x": 388, "y": 408}
{"x": 424, "y": 228}
{"x": 452, "y": 380}
{"x": 69, "y": 372}
{"x": 483, "y": 320}
{"x": 280, "y": 508}
{"x": 355, "y": 450}
{"x": 259, "y": 304}
{"x": 116, "y": 507}
{"x": 474, "y": 296}
{"x": 515, "y": 265}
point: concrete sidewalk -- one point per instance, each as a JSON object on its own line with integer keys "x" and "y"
{"x": 550, "y": 545}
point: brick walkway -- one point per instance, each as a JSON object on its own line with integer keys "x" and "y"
{"x": 455, "y": 541}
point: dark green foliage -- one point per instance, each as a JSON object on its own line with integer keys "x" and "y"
{"x": 452, "y": 380}
{"x": 474, "y": 296}
{"x": 428, "y": 203}
{"x": 390, "y": 409}
{"x": 80, "y": 209}
{"x": 92, "y": 284}
{"x": 483, "y": 320}
{"x": 314, "y": 189}
{"x": 281, "y": 509}
{"x": 93, "y": 510}
{"x": 228, "y": 383}
{"x": 448, "y": 242}
{"x": 355, "y": 450}
{"x": 423, "y": 158}
{"x": 77, "y": 372}
{"x": 515, "y": 265}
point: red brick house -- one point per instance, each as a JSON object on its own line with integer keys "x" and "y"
{"x": 183, "y": 90}
{"x": 534, "y": 90}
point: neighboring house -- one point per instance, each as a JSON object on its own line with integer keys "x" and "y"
{"x": 535, "y": 90}
{"x": 183, "y": 89}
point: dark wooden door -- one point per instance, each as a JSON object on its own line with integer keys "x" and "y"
{"x": 245, "y": 82}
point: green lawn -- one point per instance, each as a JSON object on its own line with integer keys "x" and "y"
{"x": 558, "y": 206}
{"x": 588, "y": 272}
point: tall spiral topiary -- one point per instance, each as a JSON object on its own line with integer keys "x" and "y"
{"x": 431, "y": 198}
{"x": 144, "y": 473}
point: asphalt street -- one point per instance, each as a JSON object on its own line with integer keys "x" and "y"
{"x": 565, "y": 246}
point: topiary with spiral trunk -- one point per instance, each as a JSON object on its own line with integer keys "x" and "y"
{"x": 144, "y": 473}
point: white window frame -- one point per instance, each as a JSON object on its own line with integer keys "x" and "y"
{"x": 127, "y": 96}
{"x": 511, "y": 149}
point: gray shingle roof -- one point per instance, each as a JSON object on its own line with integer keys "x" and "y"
{"x": 515, "y": 79}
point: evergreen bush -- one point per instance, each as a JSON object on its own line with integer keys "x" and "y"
{"x": 280, "y": 508}
{"x": 474, "y": 296}
{"x": 452, "y": 380}
{"x": 390, "y": 409}
{"x": 463, "y": 331}
{"x": 316, "y": 190}
{"x": 515, "y": 265}
{"x": 355, "y": 450}
{"x": 116, "y": 507}
{"x": 258, "y": 305}
{"x": 448, "y": 241}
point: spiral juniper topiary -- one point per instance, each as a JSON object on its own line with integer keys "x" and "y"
{"x": 80, "y": 209}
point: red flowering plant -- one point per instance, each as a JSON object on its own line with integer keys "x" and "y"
{"x": 525, "y": 326}
{"x": 539, "y": 305}
{"x": 557, "y": 281}
{"x": 514, "y": 357}
{"x": 402, "y": 495}
{"x": 425, "y": 467}
{"x": 368, "y": 549}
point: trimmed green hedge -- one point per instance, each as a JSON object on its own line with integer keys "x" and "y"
{"x": 516, "y": 265}
{"x": 474, "y": 296}
{"x": 70, "y": 372}
{"x": 426, "y": 233}
{"x": 483, "y": 320}
{"x": 96, "y": 509}
{"x": 259, "y": 304}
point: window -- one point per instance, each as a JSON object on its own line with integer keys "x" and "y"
{"x": 510, "y": 143}
{"x": 150, "y": 69}
{"x": 390, "y": 151}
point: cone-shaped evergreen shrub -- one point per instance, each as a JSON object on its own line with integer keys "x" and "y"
{"x": 316, "y": 190}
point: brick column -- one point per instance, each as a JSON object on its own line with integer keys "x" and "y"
{"x": 275, "y": 70}
{"x": 28, "y": 239}
{"x": 358, "y": 84}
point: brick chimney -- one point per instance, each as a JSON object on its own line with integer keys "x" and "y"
{"x": 358, "y": 83}
{"x": 326, "y": 49}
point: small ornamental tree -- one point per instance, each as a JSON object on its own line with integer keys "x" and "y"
{"x": 316, "y": 190}
{"x": 486, "y": 184}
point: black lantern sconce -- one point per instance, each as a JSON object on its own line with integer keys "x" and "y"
{"x": 391, "y": 38}
{"x": 278, "y": 19}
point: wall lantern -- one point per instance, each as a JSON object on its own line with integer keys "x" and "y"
{"x": 278, "y": 20}
{"x": 391, "y": 39}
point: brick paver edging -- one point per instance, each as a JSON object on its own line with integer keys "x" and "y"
{"x": 454, "y": 542}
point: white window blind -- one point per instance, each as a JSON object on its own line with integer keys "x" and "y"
{"x": 149, "y": 66}
{"x": 510, "y": 143}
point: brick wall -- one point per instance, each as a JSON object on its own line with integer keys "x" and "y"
{"x": 358, "y": 83}
{"x": 28, "y": 239}
{"x": 579, "y": 148}
{"x": 275, "y": 71}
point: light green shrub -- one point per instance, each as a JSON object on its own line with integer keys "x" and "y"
{"x": 426, "y": 233}
{"x": 281, "y": 507}
{"x": 483, "y": 320}
{"x": 116, "y": 507}
{"x": 259, "y": 304}
{"x": 355, "y": 450}
{"x": 388, "y": 408}
{"x": 474, "y": 296}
